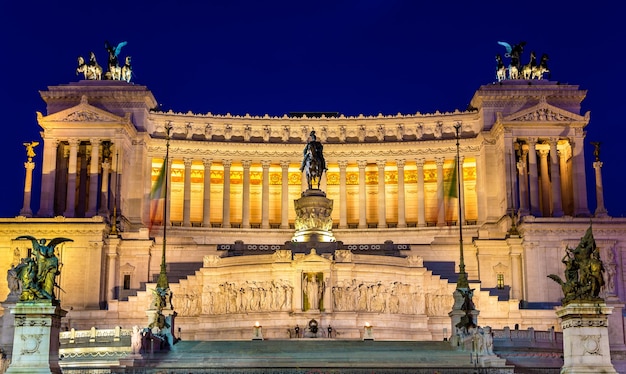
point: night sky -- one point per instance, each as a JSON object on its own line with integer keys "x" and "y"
{"x": 275, "y": 57}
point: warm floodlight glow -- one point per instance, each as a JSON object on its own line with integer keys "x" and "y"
{"x": 367, "y": 324}
{"x": 257, "y": 324}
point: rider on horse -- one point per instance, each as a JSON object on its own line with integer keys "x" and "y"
{"x": 313, "y": 163}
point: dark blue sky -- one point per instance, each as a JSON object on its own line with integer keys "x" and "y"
{"x": 275, "y": 57}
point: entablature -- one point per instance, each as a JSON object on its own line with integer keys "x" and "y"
{"x": 357, "y": 129}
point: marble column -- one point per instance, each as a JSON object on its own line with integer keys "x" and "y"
{"x": 112, "y": 268}
{"x": 545, "y": 184}
{"x": 48, "y": 177}
{"x": 104, "y": 190}
{"x": 421, "y": 201}
{"x": 566, "y": 186}
{"x": 284, "y": 196}
{"x": 168, "y": 201}
{"x": 382, "y": 211}
{"x": 343, "y": 195}
{"x": 600, "y": 209}
{"x": 533, "y": 177}
{"x": 71, "y": 179}
{"x": 93, "y": 177}
{"x": 482, "y": 203}
{"x": 245, "y": 208}
{"x": 187, "y": 192}
{"x": 401, "y": 199}
{"x": 206, "y": 199}
{"x": 114, "y": 175}
{"x": 28, "y": 186}
{"x": 226, "y": 197}
{"x": 523, "y": 184}
{"x": 516, "y": 274}
{"x": 579, "y": 182}
{"x": 461, "y": 183}
{"x": 441, "y": 214}
{"x": 265, "y": 195}
{"x": 362, "y": 194}
{"x": 555, "y": 175}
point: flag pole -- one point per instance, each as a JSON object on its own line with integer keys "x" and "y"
{"x": 162, "y": 282}
{"x": 462, "y": 282}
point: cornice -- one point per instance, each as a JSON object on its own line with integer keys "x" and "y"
{"x": 219, "y": 150}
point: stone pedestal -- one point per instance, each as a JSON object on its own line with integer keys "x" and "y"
{"x": 313, "y": 221}
{"x": 585, "y": 338}
{"x": 7, "y": 326}
{"x": 36, "y": 338}
{"x": 257, "y": 332}
{"x": 457, "y": 313}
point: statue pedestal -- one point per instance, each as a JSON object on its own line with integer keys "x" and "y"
{"x": 585, "y": 338}
{"x": 36, "y": 338}
{"x": 313, "y": 221}
{"x": 7, "y": 326}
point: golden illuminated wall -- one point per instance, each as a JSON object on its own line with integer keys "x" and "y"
{"x": 354, "y": 201}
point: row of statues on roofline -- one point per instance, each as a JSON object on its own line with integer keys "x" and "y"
{"x": 93, "y": 71}
{"x": 515, "y": 70}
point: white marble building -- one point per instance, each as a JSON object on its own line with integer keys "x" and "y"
{"x": 233, "y": 183}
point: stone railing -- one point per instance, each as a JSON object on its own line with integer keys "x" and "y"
{"x": 95, "y": 343}
{"x": 527, "y": 338}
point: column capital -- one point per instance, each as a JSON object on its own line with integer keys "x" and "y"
{"x": 227, "y": 163}
{"x": 106, "y": 165}
{"x": 29, "y": 165}
{"x": 266, "y": 164}
{"x": 361, "y": 163}
{"x": 439, "y": 161}
{"x": 553, "y": 140}
{"x": 543, "y": 152}
{"x": 419, "y": 162}
{"x": 187, "y": 161}
{"x": 400, "y": 163}
{"x": 207, "y": 162}
{"x": 73, "y": 142}
{"x": 532, "y": 141}
{"x": 597, "y": 164}
{"x": 246, "y": 164}
{"x": 285, "y": 164}
{"x": 343, "y": 164}
{"x": 381, "y": 164}
{"x": 95, "y": 141}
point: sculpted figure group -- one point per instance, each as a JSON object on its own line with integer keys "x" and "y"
{"x": 93, "y": 71}
{"x": 34, "y": 278}
{"x": 584, "y": 271}
{"x": 515, "y": 69}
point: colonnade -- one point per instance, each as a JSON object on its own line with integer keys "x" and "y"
{"x": 550, "y": 177}
{"x": 347, "y": 187}
{"x": 75, "y": 177}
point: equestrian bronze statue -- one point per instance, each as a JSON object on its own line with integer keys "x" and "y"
{"x": 313, "y": 164}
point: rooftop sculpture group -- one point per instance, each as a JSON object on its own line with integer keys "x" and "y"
{"x": 93, "y": 71}
{"x": 34, "y": 278}
{"x": 584, "y": 271}
{"x": 515, "y": 69}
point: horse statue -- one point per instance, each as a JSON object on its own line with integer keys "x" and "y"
{"x": 94, "y": 69}
{"x": 500, "y": 69}
{"x": 91, "y": 71}
{"x": 528, "y": 68}
{"x": 313, "y": 163}
{"x": 515, "y": 53}
{"x": 542, "y": 68}
{"x": 115, "y": 71}
{"x": 127, "y": 70}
